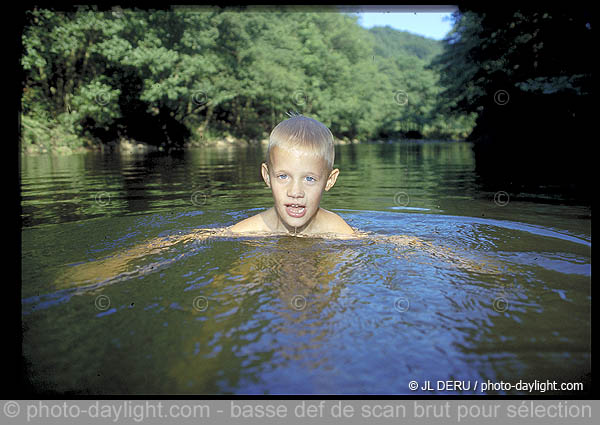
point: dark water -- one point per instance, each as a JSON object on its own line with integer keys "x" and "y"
{"x": 500, "y": 289}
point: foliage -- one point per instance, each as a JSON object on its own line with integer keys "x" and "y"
{"x": 392, "y": 42}
{"x": 169, "y": 76}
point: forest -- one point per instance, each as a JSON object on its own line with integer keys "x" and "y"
{"x": 516, "y": 81}
{"x": 196, "y": 74}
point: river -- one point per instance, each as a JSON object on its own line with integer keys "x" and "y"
{"x": 499, "y": 289}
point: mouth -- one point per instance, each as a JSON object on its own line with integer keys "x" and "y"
{"x": 295, "y": 210}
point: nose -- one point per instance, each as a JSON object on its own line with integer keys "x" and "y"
{"x": 295, "y": 190}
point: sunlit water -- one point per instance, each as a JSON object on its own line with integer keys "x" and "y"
{"x": 502, "y": 291}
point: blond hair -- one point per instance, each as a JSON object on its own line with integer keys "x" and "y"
{"x": 305, "y": 134}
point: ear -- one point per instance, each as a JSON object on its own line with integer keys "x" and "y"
{"x": 332, "y": 178}
{"x": 264, "y": 170}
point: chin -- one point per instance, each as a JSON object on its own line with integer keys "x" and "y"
{"x": 296, "y": 221}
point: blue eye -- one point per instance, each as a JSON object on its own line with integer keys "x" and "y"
{"x": 313, "y": 179}
{"x": 282, "y": 175}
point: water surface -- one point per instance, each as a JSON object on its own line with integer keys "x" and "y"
{"x": 499, "y": 289}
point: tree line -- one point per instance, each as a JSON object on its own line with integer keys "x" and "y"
{"x": 200, "y": 73}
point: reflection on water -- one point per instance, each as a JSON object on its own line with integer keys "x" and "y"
{"x": 490, "y": 293}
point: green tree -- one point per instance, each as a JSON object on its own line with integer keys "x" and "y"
{"x": 198, "y": 73}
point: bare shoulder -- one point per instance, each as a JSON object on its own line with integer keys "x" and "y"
{"x": 336, "y": 224}
{"x": 250, "y": 224}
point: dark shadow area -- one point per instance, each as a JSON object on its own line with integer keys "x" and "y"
{"x": 525, "y": 71}
{"x": 537, "y": 146}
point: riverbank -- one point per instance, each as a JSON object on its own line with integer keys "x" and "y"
{"x": 131, "y": 146}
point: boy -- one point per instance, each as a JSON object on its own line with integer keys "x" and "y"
{"x": 298, "y": 169}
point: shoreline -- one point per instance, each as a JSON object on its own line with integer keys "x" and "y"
{"x": 133, "y": 147}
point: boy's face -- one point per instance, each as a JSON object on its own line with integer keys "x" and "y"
{"x": 297, "y": 180}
